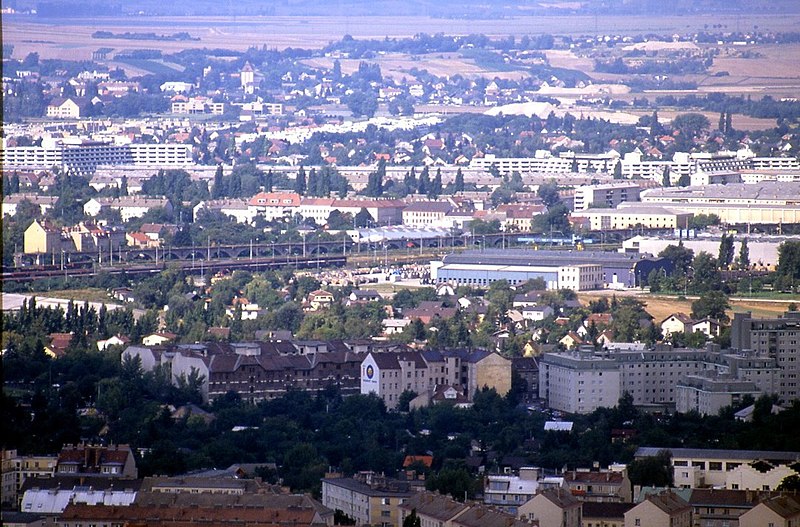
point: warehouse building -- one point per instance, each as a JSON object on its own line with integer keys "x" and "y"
{"x": 576, "y": 270}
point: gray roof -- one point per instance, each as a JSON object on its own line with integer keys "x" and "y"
{"x": 531, "y": 257}
{"x": 398, "y": 488}
{"x": 707, "y": 453}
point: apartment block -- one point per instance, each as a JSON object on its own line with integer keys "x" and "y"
{"x": 368, "y": 498}
{"x": 609, "y": 195}
{"x": 17, "y": 468}
{"x": 774, "y": 339}
{"x": 583, "y": 380}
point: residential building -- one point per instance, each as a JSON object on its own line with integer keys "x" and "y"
{"x": 676, "y": 323}
{"x": 43, "y": 237}
{"x": 721, "y": 506}
{"x": 197, "y": 105}
{"x": 114, "y": 461}
{"x": 775, "y": 338}
{"x": 554, "y": 507}
{"x": 634, "y": 217}
{"x": 477, "y": 516}
{"x": 426, "y": 213}
{"x": 83, "y": 157}
{"x": 432, "y": 509}
{"x": 368, "y": 498}
{"x": 599, "y": 485}
{"x": 507, "y": 492}
{"x": 604, "y": 514}
{"x": 319, "y": 299}
{"x": 275, "y": 205}
{"x": 707, "y": 395}
{"x": 128, "y": 206}
{"x": 778, "y": 511}
{"x": 16, "y": 469}
{"x": 51, "y": 496}
{"x": 389, "y": 374}
{"x": 608, "y": 195}
{"x": 666, "y": 509}
{"x": 730, "y": 469}
{"x": 68, "y": 108}
{"x": 11, "y": 202}
{"x": 256, "y": 370}
{"x": 238, "y": 209}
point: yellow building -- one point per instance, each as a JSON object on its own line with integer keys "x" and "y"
{"x": 42, "y": 237}
{"x": 634, "y": 216}
{"x": 16, "y": 469}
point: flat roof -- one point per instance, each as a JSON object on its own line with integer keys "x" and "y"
{"x": 707, "y": 453}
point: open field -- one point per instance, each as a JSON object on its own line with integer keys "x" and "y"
{"x": 71, "y": 39}
{"x": 663, "y": 306}
{"x": 397, "y": 65}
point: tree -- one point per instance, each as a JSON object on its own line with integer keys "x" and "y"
{"x": 424, "y": 182}
{"x": 789, "y": 260}
{"x": 680, "y": 257}
{"x": 618, "y": 170}
{"x": 300, "y": 181}
{"x": 653, "y": 471}
{"x": 436, "y": 185}
{"x": 374, "y": 186}
{"x": 363, "y": 218}
{"x": 691, "y": 124}
{"x": 726, "y": 251}
{"x": 458, "y": 186}
{"x": 548, "y": 192}
{"x": 218, "y": 190}
{"x": 706, "y": 275}
{"x": 713, "y": 304}
{"x": 665, "y": 178}
{"x": 412, "y": 520}
{"x": 743, "y": 260}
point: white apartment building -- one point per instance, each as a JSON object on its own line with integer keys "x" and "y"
{"x": 582, "y": 381}
{"x": 544, "y": 161}
{"x": 708, "y": 395}
{"x": 581, "y": 277}
{"x": 610, "y": 195}
{"x": 84, "y": 157}
{"x": 574, "y": 384}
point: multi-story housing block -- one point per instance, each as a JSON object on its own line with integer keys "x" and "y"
{"x": 609, "y": 195}
{"x": 368, "y": 498}
{"x": 774, "y": 339}
{"x": 584, "y": 380}
{"x": 16, "y": 469}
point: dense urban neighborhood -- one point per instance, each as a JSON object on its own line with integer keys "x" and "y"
{"x": 400, "y": 266}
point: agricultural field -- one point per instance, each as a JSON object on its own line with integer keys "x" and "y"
{"x": 71, "y": 39}
{"x": 397, "y": 65}
{"x": 662, "y": 306}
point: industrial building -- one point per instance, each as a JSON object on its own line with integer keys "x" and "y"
{"x": 576, "y": 270}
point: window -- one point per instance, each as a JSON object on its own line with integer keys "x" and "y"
{"x": 637, "y": 522}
